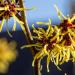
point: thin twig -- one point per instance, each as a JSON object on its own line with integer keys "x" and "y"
{"x": 28, "y": 33}
{"x": 29, "y": 38}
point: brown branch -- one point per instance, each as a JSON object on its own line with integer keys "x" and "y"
{"x": 29, "y": 38}
{"x": 28, "y": 33}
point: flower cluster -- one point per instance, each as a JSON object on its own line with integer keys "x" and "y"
{"x": 11, "y": 9}
{"x": 56, "y": 42}
{"x": 8, "y": 54}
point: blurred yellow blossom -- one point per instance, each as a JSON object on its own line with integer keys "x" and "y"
{"x": 8, "y": 54}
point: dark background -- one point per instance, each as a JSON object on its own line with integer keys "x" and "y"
{"x": 23, "y": 63}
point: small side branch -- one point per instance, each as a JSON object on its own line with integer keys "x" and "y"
{"x": 28, "y": 33}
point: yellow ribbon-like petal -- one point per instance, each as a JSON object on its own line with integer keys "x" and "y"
{"x": 1, "y": 25}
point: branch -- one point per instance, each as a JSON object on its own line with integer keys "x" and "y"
{"x": 28, "y": 33}
{"x": 29, "y": 39}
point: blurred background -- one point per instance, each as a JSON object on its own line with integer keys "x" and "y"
{"x": 44, "y": 9}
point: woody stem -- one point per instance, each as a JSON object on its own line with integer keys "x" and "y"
{"x": 29, "y": 37}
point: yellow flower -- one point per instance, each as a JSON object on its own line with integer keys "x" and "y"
{"x": 8, "y": 10}
{"x": 55, "y": 42}
{"x": 8, "y": 54}
{"x": 43, "y": 45}
{"x": 64, "y": 50}
{"x": 62, "y": 17}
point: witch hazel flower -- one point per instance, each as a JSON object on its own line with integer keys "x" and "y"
{"x": 8, "y": 10}
{"x": 57, "y": 42}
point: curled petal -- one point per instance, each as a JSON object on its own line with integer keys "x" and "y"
{"x": 1, "y": 25}
{"x": 38, "y": 55}
{"x": 37, "y": 45}
{"x": 20, "y": 22}
{"x": 8, "y": 28}
{"x": 22, "y": 9}
{"x": 60, "y": 14}
{"x": 41, "y": 23}
{"x": 72, "y": 19}
{"x": 48, "y": 62}
{"x": 14, "y": 26}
